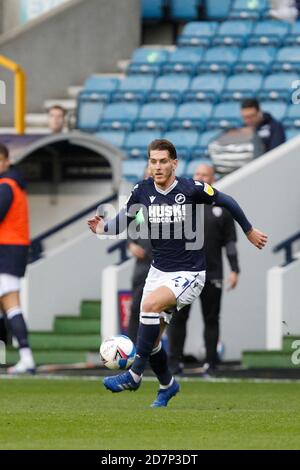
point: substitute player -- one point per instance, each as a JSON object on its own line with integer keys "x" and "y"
{"x": 14, "y": 243}
{"x": 173, "y": 209}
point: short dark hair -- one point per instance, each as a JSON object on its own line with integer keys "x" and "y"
{"x": 58, "y": 108}
{"x": 4, "y": 150}
{"x": 163, "y": 144}
{"x": 250, "y": 103}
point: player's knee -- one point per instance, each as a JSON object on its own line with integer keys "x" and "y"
{"x": 151, "y": 305}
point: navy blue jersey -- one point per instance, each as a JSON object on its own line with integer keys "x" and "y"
{"x": 175, "y": 222}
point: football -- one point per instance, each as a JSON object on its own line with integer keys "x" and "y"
{"x": 117, "y": 352}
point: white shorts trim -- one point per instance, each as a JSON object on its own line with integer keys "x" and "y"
{"x": 186, "y": 286}
{"x": 9, "y": 284}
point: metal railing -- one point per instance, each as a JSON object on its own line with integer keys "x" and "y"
{"x": 287, "y": 246}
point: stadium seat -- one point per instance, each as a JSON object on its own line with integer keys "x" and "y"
{"x": 119, "y": 116}
{"x": 181, "y": 167}
{"x": 219, "y": 59}
{"x": 98, "y": 88}
{"x": 276, "y": 108}
{"x": 201, "y": 150}
{"x": 192, "y": 116}
{"x": 193, "y": 164}
{"x": 292, "y": 118}
{"x": 256, "y": 59}
{"x": 156, "y": 116}
{"x": 184, "y": 60}
{"x": 248, "y": 9}
{"x": 198, "y": 33}
{"x": 233, "y": 33}
{"x": 278, "y": 86}
{"x": 291, "y": 133}
{"x": 225, "y": 115}
{"x": 89, "y": 114}
{"x": 185, "y": 10}
{"x": 133, "y": 170}
{"x": 184, "y": 141}
{"x": 217, "y": 9}
{"x": 134, "y": 88}
{"x": 244, "y": 85}
{"x": 148, "y": 60}
{"x": 153, "y": 9}
{"x": 116, "y": 138}
{"x": 287, "y": 60}
{"x": 136, "y": 143}
{"x": 170, "y": 87}
{"x": 206, "y": 87}
{"x": 269, "y": 32}
{"x": 293, "y": 37}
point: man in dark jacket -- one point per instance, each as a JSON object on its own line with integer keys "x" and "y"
{"x": 14, "y": 244}
{"x": 219, "y": 232}
{"x": 267, "y": 128}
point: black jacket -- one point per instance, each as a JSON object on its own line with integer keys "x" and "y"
{"x": 271, "y": 132}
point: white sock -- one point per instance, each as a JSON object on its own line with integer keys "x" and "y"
{"x": 164, "y": 387}
{"x": 137, "y": 378}
{"x": 26, "y": 355}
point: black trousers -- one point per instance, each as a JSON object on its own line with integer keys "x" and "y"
{"x": 211, "y": 302}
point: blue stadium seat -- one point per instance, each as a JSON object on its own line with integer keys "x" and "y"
{"x": 193, "y": 164}
{"x": 276, "y": 108}
{"x": 248, "y": 9}
{"x": 291, "y": 133}
{"x": 181, "y": 167}
{"x": 185, "y": 10}
{"x": 256, "y": 59}
{"x": 148, "y": 60}
{"x": 293, "y": 38}
{"x": 116, "y": 138}
{"x": 153, "y": 9}
{"x": 184, "y": 141}
{"x": 98, "y": 88}
{"x": 133, "y": 170}
{"x": 89, "y": 114}
{"x": 184, "y": 60}
{"x": 233, "y": 33}
{"x": 136, "y": 143}
{"x": 287, "y": 60}
{"x": 192, "y": 116}
{"x": 292, "y": 118}
{"x": 134, "y": 88}
{"x": 206, "y": 87}
{"x": 219, "y": 59}
{"x": 119, "y": 116}
{"x": 244, "y": 85}
{"x": 218, "y": 9}
{"x": 156, "y": 116}
{"x": 201, "y": 150}
{"x": 278, "y": 86}
{"x": 170, "y": 87}
{"x": 225, "y": 115}
{"x": 198, "y": 33}
{"x": 269, "y": 32}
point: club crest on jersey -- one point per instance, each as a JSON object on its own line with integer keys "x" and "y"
{"x": 180, "y": 198}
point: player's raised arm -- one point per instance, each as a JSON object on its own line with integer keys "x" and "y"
{"x": 255, "y": 236}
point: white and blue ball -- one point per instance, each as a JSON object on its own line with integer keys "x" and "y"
{"x": 117, "y": 352}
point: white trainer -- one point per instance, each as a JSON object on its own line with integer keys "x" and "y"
{"x": 22, "y": 368}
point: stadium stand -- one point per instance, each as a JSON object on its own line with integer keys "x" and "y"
{"x": 191, "y": 92}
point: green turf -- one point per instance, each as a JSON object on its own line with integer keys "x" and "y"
{"x": 80, "y": 414}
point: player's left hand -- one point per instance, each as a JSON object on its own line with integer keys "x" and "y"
{"x": 257, "y": 238}
{"x": 232, "y": 280}
{"x": 96, "y": 224}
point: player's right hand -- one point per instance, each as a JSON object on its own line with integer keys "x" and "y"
{"x": 96, "y": 225}
{"x": 257, "y": 238}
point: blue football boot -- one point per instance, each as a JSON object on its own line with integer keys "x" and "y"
{"x": 120, "y": 383}
{"x": 164, "y": 395}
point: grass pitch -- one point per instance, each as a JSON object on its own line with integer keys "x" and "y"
{"x": 80, "y": 414}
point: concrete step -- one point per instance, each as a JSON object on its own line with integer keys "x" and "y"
{"x": 41, "y": 341}
{"x": 269, "y": 360}
{"x": 60, "y": 357}
{"x": 288, "y": 343}
{"x": 76, "y": 325}
{"x": 90, "y": 309}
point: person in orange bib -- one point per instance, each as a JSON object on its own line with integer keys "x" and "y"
{"x": 14, "y": 244}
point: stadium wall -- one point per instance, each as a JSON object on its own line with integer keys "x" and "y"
{"x": 66, "y": 45}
